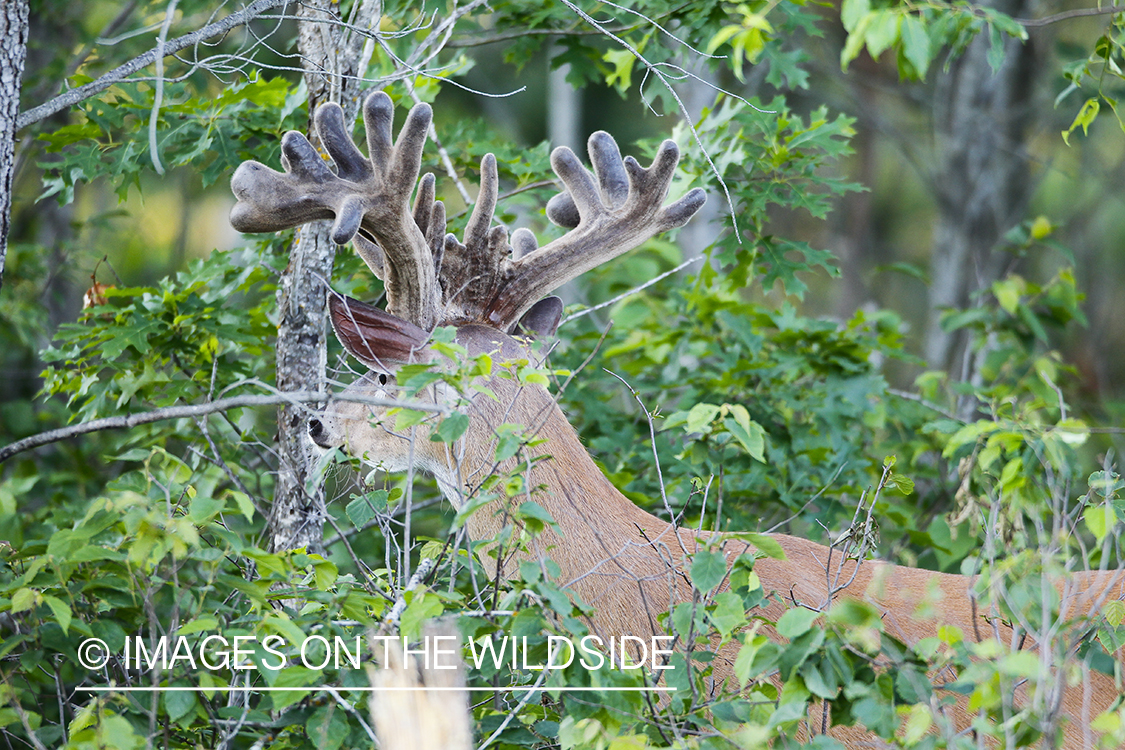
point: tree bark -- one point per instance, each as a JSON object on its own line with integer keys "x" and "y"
{"x": 13, "y": 52}
{"x": 334, "y": 61}
{"x": 983, "y": 182}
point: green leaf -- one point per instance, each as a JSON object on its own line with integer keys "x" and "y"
{"x": 621, "y": 76}
{"x": 535, "y": 515}
{"x": 179, "y": 703}
{"x": 423, "y": 606}
{"x": 728, "y": 613}
{"x": 203, "y": 507}
{"x": 1105, "y": 484}
{"x": 1114, "y": 612}
{"x": 451, "y": 428}
{"x": 508, "y": 441}
{"x": 995, "y": 48}
{"x": 292, "y": 677}
{"x": 719, "y": 39}
{"x": 916, "y": 44}
{"x": 700, "y": 417}
{"x": 61, "y": 611}
{"x": 407, "y": 418}
{"x": 201, "y": 624}
{"x": 857, "y": 37}
{"x": 23, "y": 600}
{"x": 360, "y": 512}
{"x": 853, "y": 11}
{"x": 708, "y": 569}
{"x": 796, "y": 622}
{"x": 325, "y": 573}
{"x": 1084, "y": 118}
{"x": 970, "y": 433}
{"x": 327, "y": 728}
{"x": 901, "y": 482}
{"x": 757, "y": 655}
{"x": 764, "y": 543}
{"x": 876, "y": 715}
{"x": 882, "y": 31}
{"x": 753, "y": 439}
{"x": 1099, "y": 520}
{"x": 245, "y": 504}
{"x": 1008, "y": 293}
{"x": 815, "y": 680}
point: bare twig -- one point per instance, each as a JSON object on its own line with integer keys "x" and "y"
{"x": 128, "y": 421}
{"x": 655, "y": 458}
{"x": 928, "y": 404}
{"x": 481, "y": 40}
{"x": 631, "y": 292}
{"x": 533, "y": 690}
{"x": 1032, "y": 23}
{"x": 350, "y": 710}
{"x": 158, "y": 95}
{"x": 425, "y": 567}
{"x": 72, "y": 97}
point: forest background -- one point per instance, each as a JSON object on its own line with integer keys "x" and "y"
{"x": 900, "y": 298}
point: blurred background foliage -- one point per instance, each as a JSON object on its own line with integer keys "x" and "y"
{"x": 911, "y": 248}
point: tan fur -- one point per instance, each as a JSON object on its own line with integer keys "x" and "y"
{"x": 628, "y": 563}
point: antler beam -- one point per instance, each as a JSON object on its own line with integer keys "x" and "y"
{"x": 367, "y": 195}
{"x": 611, "y": 211}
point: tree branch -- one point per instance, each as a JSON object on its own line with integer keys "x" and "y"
{"x": 1067, "y": 15}
{"x": 72, "y": 97}
{"x": 128, "y": 421}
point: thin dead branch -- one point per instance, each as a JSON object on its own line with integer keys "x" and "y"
{"x": 129, "y": 421}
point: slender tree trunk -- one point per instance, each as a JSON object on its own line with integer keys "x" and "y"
{"x": 333, "y": 61}
{"x": 982, "y": 122}
{"x": 13, "y": 52}
{"x": 853, "y": 222}
{"x": 564, "y": 109}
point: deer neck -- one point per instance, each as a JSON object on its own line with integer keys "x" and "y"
{"x": 603, "y": 544}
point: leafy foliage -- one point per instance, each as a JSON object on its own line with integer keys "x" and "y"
{"x": 1102, "y": 69}
{"x": 211, "y": 133}
{"x": 918, "y": 33}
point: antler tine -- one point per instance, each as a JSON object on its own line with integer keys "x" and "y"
{"x": 424, "y": 202}
{"x": 369, "y": 194}
{"x": 609, "y": 212}
{"x": 485, "y": 209}
{"x": 429, "y": 215}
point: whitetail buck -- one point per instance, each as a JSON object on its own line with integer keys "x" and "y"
{"x": 625, "y": 562}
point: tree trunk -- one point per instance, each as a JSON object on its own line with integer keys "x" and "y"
{"x": 333, "y": 62}
{"x": 983, "y": 182}
{"x": 13, "y": 52}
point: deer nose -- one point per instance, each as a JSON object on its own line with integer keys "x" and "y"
{"x": 316, "y": 432}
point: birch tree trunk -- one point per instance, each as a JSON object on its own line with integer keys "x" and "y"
{"x": 334, "y": 60}
{"x": 13, "y": 52}
{"x": 982, "y": 120}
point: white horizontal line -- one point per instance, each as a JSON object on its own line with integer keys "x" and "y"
{"x": 267, "y": 689}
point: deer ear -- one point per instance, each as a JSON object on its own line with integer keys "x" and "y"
{"x": 374, "y": 337}
{"x": 542, "y": 320}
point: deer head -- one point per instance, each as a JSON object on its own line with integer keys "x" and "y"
{"x": 491, "y": 287}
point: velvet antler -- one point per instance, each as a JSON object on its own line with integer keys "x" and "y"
{"x": 432, "y": 277}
